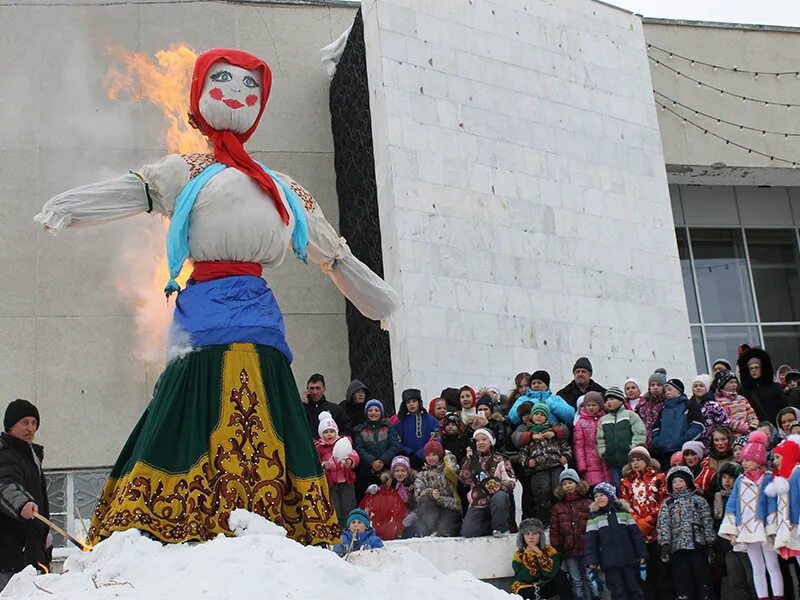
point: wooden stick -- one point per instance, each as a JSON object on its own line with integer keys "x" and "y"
{"x": 58, "y": 529}
{"x": 83, "y": 524}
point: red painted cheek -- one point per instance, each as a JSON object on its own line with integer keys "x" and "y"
{"x": 251, "y": 100}
{"x": 215, "y": 93}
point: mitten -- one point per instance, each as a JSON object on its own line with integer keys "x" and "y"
{"x": 372, "y": 489}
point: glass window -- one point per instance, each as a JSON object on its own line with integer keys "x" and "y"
{"x": 699, "y": 350}
{"x": 688, "y": 279}
{"x": 721, "y": 268}
{"x": 775, "y": 264}
{"x": 783, "y": 344}
{"x": 725, "y": 339}
{"x": 57, "y": 501}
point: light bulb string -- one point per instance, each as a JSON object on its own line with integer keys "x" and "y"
{"x": 733, "y": 69}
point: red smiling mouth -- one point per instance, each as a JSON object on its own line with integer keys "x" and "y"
{"x": 232, "y": 103}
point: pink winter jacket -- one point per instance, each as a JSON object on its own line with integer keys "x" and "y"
{"x": 591, "y": 467}
{"x": 337, "y": 473}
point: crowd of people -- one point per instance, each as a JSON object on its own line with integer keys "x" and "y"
{"x": 660, "y": 491}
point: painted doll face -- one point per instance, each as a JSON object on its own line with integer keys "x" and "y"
{"x": 231, "y": 97}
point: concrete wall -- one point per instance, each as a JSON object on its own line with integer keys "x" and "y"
{"x": 522, "y": 192}
{"x": 66, "y": 334}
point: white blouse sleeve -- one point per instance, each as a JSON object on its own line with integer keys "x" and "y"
{"x": 370, "y": 294}
{"x": 152, "y": 188}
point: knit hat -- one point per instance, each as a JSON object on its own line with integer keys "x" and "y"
{"x": 541, "y": 407}
{"x": 569, "y": 475}
{"x": 634, "y": 381}
{"x": 582, "y": 363}
{"x": 683, "y": 473}
{"x": 756, "y": 448}
{"x": 676, "y": 458}
{"x": 739, "y": 441}
{"x": 792, "y": 376}
{"x": 661, "y": 370}
{"x": 694, "y": 446}
{"x": 614, "y": 392}
{"x": 485, "y": 432}
{"x": 593, "y": 396}
{"x": 433, "y": 447}
{"x": 529, "y": 526}
{"x": 722, "y": 361}
{"x": 326, "y": 422}
{"x": 723, "y": 377}
{"x": 524, "y": 408}
{"x": 412, "y": 394}
{"x": 657, "y": 378}
{"x": 358, "y": 514}
{"x": 705, "y": 379}
{"x": 606, "y": 489}
{"x": 400, "y": 461}
{"x": 677, "y": 384}
{"x": 639, "y": 452}
{"x": 541, "y": 375}
{"x": 17, "y": 410}
{"x": 484, "y": 401}
{"x": 371, "y": 403}
{"x": 453, "y": 418}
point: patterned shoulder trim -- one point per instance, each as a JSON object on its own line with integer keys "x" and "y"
{"x": 198, "y": 162}
{"x": 308, "y": 200}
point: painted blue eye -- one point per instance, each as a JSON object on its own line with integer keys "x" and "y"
{"x": 250, "y": 82}
{"x": 221, "y": 76}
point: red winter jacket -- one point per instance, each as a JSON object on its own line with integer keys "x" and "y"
{"x": 644, "y": 491}
{"x": 336, "y": 471}
{"x": 568, "y": 522}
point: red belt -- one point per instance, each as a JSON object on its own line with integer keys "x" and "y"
{"x": 206, "y": 270}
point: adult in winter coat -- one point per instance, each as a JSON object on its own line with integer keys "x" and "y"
{"x": 581, "y": 383}
{"x": 588, "y": 461}
{"x": 765, "y": 395}
{"x": 316, "y": 403}
{"x": 23, "y": 492}
{"x": 680, "y": 421}
{"x": 377, "y": 443}
{"x": 539, "y": 391}
{"x": 713, "y": 414}
{"x": 568, "y": 528}
{"x": 649, "y": 408}
{"x": 356, "y": 396}
{"x": 415, "y": 426}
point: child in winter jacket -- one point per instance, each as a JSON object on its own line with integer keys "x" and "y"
{"x": 358, "y": 535}
{"x": 467, "y": 399}
{"x": 568, "y": 530}
{"x": 644, "y": 488}
{"x": 438, "y": 507}
{"x": 537, "y": 567}
{"x": 590, "y": 466}
{"x": 737, "y": 574}
{"x": 681, "y": 421}
{"x": 618, "y": 431}
{"x": 415, "y": 426}
{"x": 750, "y": 517}
{"x": 401, "y": 479}
{"x": 633, "y": 393}
{"x": 493, "y": 421}
{"x": 713, "y": 414}
{"x": 721, "y": 450}
{"x": 693, "y": 459}
{"x": 454, "y": 440}
{"x": 377, "y": 443}
{"x": 742, "y": 417}
{"x": 686, "y": 535}
{"x": 785, "y": 487}
{"x": 615, "y": 544}
{"x": 338, "y": 471}
{"x": 649, "y": 409}
{"x": 544, "y": 458}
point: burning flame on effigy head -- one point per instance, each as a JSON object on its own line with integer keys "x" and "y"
{"x": 163, "y": 80}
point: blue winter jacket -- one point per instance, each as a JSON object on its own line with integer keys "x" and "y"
{"x": 560, "y": 410}
{"x": 376, "y": 440}
{"x": 681, "y": 421}
{"x": 366, "y": 540}
{"x": 416, "y": 431}
{"x": 613, "y": 538}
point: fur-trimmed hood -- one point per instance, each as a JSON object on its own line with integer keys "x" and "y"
{"x": 767, "y": 372}
{"x": 653, "y": 465}
{"x": 582, "y": 491}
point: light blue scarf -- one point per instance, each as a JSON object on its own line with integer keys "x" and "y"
{"x": 178, "y": 232}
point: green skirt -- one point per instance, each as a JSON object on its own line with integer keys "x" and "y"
{"x": 226, "y": 429}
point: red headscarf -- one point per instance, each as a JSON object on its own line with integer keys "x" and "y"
{"x": 228, "y": 148}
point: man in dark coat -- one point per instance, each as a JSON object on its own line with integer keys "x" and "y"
{"x": 23, "y": 492}
{"x": 582, "y": 382}
{"x": 353, "y": 404}
{"x": 316, "y": 402}
{"x": 765, "y": 395}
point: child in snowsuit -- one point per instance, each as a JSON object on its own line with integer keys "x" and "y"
{"x": 537, "y": 567}
{"x": 544, "y": 458}
{"x": 750, "y": 517}
{"x": 438, "y": 510}
{"x": 742, "y": 417}
{"x": 568, "y": 530}
{"x": 615, "y": 544}
{"x": 686, "y": 535}
{"x": 617, "y": 432}
{"x": 589, "y": 464}
{"x": 339, "y": 473}
{"x": 737, "y": 578}
{"x": 358, "y": 534}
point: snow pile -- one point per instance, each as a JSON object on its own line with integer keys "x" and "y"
{"x": 260, "y": 562}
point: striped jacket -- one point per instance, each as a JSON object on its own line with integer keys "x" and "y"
{"x": 613, "y": 538}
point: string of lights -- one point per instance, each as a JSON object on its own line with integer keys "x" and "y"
{"x": 727, "y": 141}
{"x": 722, "y": 91}
{"x": 734, "y": 69}
{"x": 741, "y": 127}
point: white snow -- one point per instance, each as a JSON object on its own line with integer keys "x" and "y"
{"x": 260, "y": 562}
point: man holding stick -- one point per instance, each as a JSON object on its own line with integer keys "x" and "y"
{"x": 23, "y": 493}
